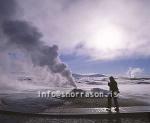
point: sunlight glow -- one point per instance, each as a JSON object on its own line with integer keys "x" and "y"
{"x": 108, "y": 37}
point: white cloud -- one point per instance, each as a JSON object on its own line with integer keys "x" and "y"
{"x": 107, "y": 29}
{"x": 135, "y": 72}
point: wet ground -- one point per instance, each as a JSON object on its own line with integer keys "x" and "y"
{"x": 23, "y": 118}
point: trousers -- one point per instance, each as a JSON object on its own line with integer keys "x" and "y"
{"x": 110, "y": 101}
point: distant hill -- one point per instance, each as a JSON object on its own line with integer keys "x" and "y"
{"x": 90, "y": 75}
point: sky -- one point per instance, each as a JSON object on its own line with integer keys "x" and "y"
{"x": 94, "y": 36}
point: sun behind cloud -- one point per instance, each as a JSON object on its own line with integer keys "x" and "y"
{"x": 106, "y": 37}
{"x": 105, "y": 41}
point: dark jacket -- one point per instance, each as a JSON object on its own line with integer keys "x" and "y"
{"x": 113, "y": 86}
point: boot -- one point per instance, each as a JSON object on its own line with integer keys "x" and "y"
{"x": 117, "y": 109}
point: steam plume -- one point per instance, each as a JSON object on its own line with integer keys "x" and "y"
{"x": 23, "y": 35}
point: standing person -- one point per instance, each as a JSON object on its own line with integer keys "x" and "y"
{"x": 113, "y": 87}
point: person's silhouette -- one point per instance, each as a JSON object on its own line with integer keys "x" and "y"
{"x": 113, "y": 87}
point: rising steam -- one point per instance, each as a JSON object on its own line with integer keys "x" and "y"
{"x": 23, "y": 36}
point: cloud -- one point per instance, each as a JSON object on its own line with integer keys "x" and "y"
{"x": 108, "y": 29}
{"x": 135, "y": 72}
{"x": 6, "y": 13}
